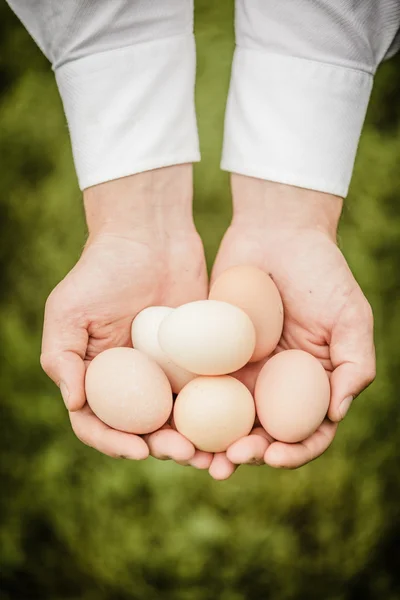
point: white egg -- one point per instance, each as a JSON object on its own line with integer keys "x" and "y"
{"x": 208, "y": 337}
{"x": 145, "y": 328}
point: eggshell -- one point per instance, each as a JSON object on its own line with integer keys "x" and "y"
{"x": 128, "y": 391}
{"x": 253, "y": 290}
{"x": 292, "y": 395}
{"x": 214, "y": 412}
{"x": 145, "y": 328}
{"x": 208, "y": 337}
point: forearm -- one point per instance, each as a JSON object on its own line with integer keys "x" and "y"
{"x": 159, "y": 200}
{"x": 276, "y": 207}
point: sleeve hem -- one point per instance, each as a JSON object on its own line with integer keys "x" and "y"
{"x": 286, "y": 177}
{"x": 131, "y": 109}
{"x": 293, "y": 120}
{"x": 157, "y": 162}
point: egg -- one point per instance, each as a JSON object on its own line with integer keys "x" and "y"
{"x": 292, "y": 395}
{"x": 208, "y": 337}
{"x": 145, "y": 328}
{"x": 214, "y": 412}
{"x": 253, "y": 290}
{"x": 128, "y": 391}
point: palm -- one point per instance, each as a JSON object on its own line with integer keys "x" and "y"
{"x": 315, "y": 283}
{"x": 323, "y": 307}
{"x": 116, "y": 278}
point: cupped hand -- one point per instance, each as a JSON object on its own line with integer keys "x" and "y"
{"x": 326, "y": 314}
{"x": 123, "y": 269}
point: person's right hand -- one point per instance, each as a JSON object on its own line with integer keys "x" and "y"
{"x": 143, "y": 250}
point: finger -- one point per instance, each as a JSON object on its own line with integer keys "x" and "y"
{"x": 353, "y": 356}
{"x": 221, "y": 467}
{"x": 291, "y": 456}
{"x": 96, "y": 434}
{"x": 250, "y": 449}
{"x": 63, "y": 350}
{"x": 166, "y": 443}
{"x": 201, "y": 460}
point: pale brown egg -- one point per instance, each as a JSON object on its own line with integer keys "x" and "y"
{"x": 292, "y": 395}
{"x": 208, "y": 337}
{"x": 214, "y": 412}
{"x": 128, "y": 391}
{"x": 253, "y": 290}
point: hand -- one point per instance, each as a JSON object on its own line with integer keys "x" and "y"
{"x": 291, "y": 234}
{"x": 142, "y": 250}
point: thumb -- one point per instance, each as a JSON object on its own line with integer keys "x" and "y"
{"x": 63, "y": 350}
{"x": 352, "y": 354}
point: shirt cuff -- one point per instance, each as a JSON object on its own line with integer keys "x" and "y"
{"x": 294, "y": 121}
{"x": 131, "y": 109}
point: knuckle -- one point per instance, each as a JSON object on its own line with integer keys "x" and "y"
{"x": 369, "y": 315}
{"x": 52, "y": 301}
{"x": 62, "y": 303}
{"x": 370, "y": 371}
{"x": 366, "y": 374}
{"x": 359, "y": 312}
{"x": 47, "y": 362}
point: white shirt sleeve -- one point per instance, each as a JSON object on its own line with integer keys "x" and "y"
{"x": 301, "y": 80}
{"x": 126, "y": 74}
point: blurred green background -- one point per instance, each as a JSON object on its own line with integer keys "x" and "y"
{"x": 75, "y": 524}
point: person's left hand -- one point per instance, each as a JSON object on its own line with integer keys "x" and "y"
{"x": 326, "y": 314}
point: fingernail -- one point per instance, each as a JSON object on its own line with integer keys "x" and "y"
{"x": 344, "y": 407}
{"x": 64, "y": 393}
{"x": 257, "y": 462}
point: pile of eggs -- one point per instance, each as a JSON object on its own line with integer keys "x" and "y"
{"x": 189, "y": 353}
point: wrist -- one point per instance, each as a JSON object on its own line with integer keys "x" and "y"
{"x": 275, "y": 207}
{"x": 158, "y": 202}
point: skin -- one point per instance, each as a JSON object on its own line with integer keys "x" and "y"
{"x": 143, "y": 250}
{"x": 291, "y": 234}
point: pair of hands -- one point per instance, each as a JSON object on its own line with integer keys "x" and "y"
{"x": 143, "y": 250}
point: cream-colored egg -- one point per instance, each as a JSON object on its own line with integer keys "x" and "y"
{"x": 145, "y": 328}
{"x": 128, "y": 391}
{"x": 292, "y": 395}
{"x": 214, "y": 412}
{"x": 208, "y": 337}
{"x": 253, "y": 290}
